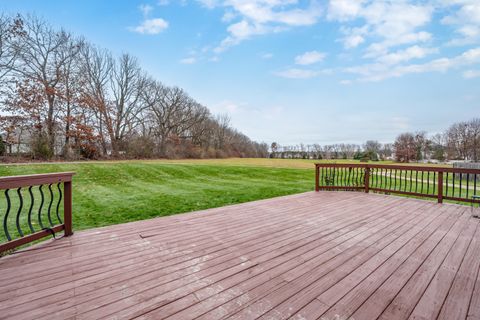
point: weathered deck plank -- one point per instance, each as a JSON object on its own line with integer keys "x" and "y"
{"x": 304, "y": 256}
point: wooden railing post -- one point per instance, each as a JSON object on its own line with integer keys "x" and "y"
{"x": 367, "y": 179}
{"x": 317, "y": 178}
{"x": 440, "y": 187}
{"x": 67, "y": 208}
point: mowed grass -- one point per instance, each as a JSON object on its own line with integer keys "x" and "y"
{"x": 112, "y": 192}
{"x": 106, "y": 193}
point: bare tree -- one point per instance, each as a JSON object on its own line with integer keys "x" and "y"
{"x": 9, "y": 29}
{"x": 474, "y": 128}
{"x": 458, "y": 140}
{"x": 96, "y": 72}
{"x": 75, "y": 96}
{"x": 41, "y": 54}
{"x": 405, "y": 147}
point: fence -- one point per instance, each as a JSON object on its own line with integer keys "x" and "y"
{"x": 33, "y": 208}
{"x": 457, "y": 184}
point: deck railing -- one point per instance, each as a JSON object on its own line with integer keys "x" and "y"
{"x": 441, "y": 183}
{"x": 32, "y": 208}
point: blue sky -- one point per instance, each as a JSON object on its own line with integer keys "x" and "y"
{"x": 298, "y": 71}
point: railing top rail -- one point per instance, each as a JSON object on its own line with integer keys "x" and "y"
{"x": 398, "y": 167}
{"x": 34, "y": 180}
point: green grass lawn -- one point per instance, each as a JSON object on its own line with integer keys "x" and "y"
{"x": 116, "y": 192}
{"x": 112, "y": 192}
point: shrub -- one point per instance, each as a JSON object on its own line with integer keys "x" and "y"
{"x": 140, "y": 147}
{"x": 40, "y": 147}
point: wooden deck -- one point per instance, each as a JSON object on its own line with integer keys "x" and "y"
{"x": 307, "y": 256}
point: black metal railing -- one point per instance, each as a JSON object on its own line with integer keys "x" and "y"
{"x": 442, "y": 183}
{"x": 33, "y": 208}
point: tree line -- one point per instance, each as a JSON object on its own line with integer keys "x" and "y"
{"x": 370, "y": 150}
{"x": 461, "y": 141}
{"x": 62, "y": 96}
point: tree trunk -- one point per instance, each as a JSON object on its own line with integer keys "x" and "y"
{"x": 50, "y": 123}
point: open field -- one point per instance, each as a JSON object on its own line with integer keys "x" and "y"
{"x": 112, "y": 192}
{"x": 106, "y": 193}
{"x": 254, "y": 162}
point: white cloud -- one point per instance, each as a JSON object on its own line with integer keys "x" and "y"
{"x": 392, "y": 22}
{"x": 466, "y": 19}
{"x": 189, "y": 60}
{"x": 151, "y": 26}
{"x": 344, "y": 9}
{"x": 258, "y": 17}
{"x": 379, "y": 71}
{"x": 470, "y": 74}
{"x": 353, "y": 36}
{"x": 309, "y": 57}
{"x": 241, "y": 31}
{"x": 413, "y": 52}
{"x": 163, "y": 2}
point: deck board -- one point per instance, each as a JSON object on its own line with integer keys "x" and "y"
{"x": 306, "y": 256}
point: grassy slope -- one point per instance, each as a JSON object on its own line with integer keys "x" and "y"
{"x": 110, "y": 193}
{"x": 114, "y": 192}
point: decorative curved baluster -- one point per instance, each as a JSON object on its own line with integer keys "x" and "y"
{"x": 5, "y": 218}
{"x": 400, "y": 180}
{"x": 421, "y": 189}
{"x": 50, "y": 205}
{"x": 32, "y": 201}
{"x": 42, "y": 197}
{"x": 59, "y": 201}
{"x": 20, "y": 207}
{"x": 428, "y": 181}
{"x": 411, "y": 174}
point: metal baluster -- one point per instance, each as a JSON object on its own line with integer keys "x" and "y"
{"x": 390, "y": 180}
{"x": 411, "y": 174}
{"x": 421, "y": 189}
{"x": 416, "y": 181}
{"x": 400, "y": 178}
{"x": 474, "y": 184}
{"x": 42, "y": 199}
{"x": 19, "y": 211}
{"x": 58, "y": 203}
{"x": 468, "y": 181}
{"x": 349, "y": 177}
{"x": 340, "y": 176}
{"x": 453, "y": 185}
{"x": 428, "y": 181}
{"x": 5, "y": 218}
{"x": 434, "y": 182}
{"x": 32, "y": 201}
{"x": 50, "y": 205}
{"x": 321, "y": 178}
{"x": 460, "y": 187}
{"x": 382, "y": 179}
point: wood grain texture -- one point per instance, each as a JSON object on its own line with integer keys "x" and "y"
{"x": 307, "y": 256}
